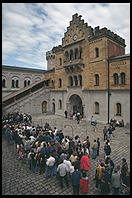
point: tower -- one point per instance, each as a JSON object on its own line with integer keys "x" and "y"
{"x": 50, "y": 57}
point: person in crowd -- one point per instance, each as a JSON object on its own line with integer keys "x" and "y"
{"x": 94, "y": 147}
{"x": 75, "y": 180}
{"x": 110, "y": 164}
{"x": 92, "y": 120}
{"x": 62, "y": 173}
{"x": 98, "y": 142}
{"x": 124, "y": 169}
{"x": 85, "y": 163}
{"x": 107, "y": 149}
{"x": 115, "y": 181}
{"x": 121, "y": 123}
{"x": 50, "y": 166}
{"x": 33, "y": 161}
{"x": 66, "y": 113}
{"x": 87, "y": 143}
{"x": 68, "y": 165}
{"x": 105, "y": 180}
{"x": 99, "y": 169}
{"x": 84, "y": 182}
{"x": 78, "y": 117}
{"x": 73, "y": 157}
{"x": 105, "y": 132}
{"x": 110, "y": 131}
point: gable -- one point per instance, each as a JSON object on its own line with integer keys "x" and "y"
{"x": 77, "y": 31}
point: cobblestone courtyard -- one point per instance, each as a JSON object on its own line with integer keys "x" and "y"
{"x": 17, "y": 179}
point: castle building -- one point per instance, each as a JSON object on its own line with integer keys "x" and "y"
{"x": 89, "y": 73}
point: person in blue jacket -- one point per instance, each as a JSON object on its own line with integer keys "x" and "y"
{"x": 75, "y": 179}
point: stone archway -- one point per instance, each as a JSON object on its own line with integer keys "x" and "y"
{"x": 75, "y": 104}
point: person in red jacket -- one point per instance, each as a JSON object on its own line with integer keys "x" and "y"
{"x": 85, "y": 163}
{"x": 84, "y": 184}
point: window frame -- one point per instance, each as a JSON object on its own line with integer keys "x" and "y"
{"x": 118, "y": 109}
{"x": 96, "y": 79}
{"x": 96, "y": 52}
{"x": 123, "y": 78}
{"x": 116, "y": 79}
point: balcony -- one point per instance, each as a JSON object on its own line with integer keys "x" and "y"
{"x": 73, "y": 65}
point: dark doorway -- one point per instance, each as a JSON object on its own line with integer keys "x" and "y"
{"x": 76, "y": 104}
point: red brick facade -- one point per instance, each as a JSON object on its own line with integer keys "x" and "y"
{"x": 115, "y": 49}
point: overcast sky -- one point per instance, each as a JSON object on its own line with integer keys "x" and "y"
{"x": 31, "y": 29}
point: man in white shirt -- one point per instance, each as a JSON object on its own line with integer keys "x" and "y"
{"x": 62, "y": 172}
{"x": 50, "y": 167}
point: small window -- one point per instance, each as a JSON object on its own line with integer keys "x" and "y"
{"x": 60, "y": 61}
{"x": 116, "y": 79}
{"x": 60, "y": 83}
{"x": 96, "y": 108}
{"x": 96, "y": 52}
{"x": 96, "y": 79}
{"x": 13, "y": 83}
{"x": 118, "y": 109}
{"x": 44, "y": 107}
{"x": 123, "y": 78}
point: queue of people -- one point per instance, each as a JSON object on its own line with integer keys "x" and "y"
{"x": 52, "y": 154}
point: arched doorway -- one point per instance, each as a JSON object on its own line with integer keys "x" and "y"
{"x": 44, "y": 107}
{"x": 75, "y": 104}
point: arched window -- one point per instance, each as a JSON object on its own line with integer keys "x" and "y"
{"x": 71, "y": 54}
{"x": 27, "y": 82}
{"x": 3, "y": 83}
{"x": 60, "y": 60}
{"x": 60, "y": 104}
{"x": 70, "y": 81}
{"x": 17, "y": 83}
{"x": 96, "y": 52}
{"x": 80, "y": 80}
{"x": 96, "y": 79}
{"x": 116, "y": 79}
{"x": 44, "y": 106}
{"x": 60, "y": 83}
{"x": 96, "y": 108}
{"x": 66, "y": 56}
{"x": 13, "y": 83}
{"x": 123, "y": 78}
{"x": 118, "y": 109}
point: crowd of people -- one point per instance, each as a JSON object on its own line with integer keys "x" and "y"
{"x": 48, "y": 151}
